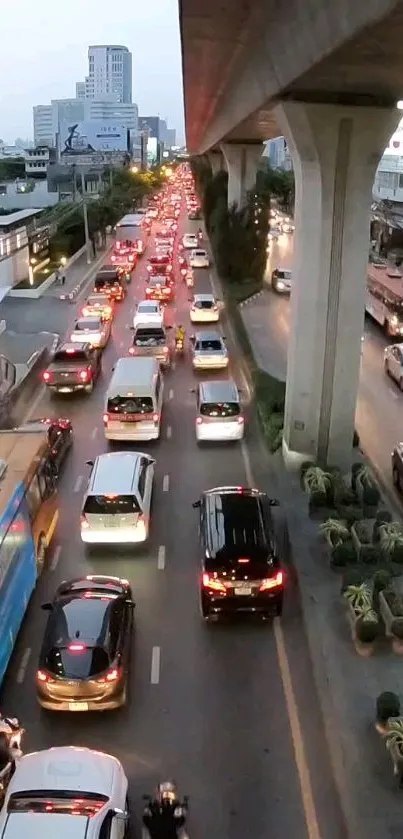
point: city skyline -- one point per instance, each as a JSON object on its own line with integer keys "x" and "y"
{"x": 153, "y": 42}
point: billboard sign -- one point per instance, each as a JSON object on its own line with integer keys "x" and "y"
{"x": 152, "y": 151}
{"x": 81, "y": 138}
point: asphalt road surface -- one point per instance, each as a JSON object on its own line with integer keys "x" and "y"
{"x": 379, "y": 403}
{"x": 229, "y": 712}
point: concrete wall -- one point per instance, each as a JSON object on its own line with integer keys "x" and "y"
{"x": 38, "y": 198}
{"x": 14, "y": 269}
{"x": 14, "y": 407}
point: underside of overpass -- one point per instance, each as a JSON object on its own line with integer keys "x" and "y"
{"x": 240, "y": 57}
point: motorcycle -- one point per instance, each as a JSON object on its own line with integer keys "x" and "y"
{"x": 189, "y": 280}
{"x": 179, "y": 346}
{"x": 200, "y": 235}
{"x": 10, "y": 727}
{"x": 166, "y": 793}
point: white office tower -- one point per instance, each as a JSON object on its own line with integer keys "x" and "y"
{"x": 109, "y": 73}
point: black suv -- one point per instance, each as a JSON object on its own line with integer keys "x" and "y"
{"x": 241, "y": 569}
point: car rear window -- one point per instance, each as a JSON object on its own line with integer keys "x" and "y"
{"x": 148, "y": 309}
{"x": 220, "y": 409}
{"x": 130, "y": 405}
{"x": 64, "y": 357}
{"x": 199, "y": 253}
{"x": 111, "y": 505}
{"x": 209, "y": 346}
{"x": 99, "y": 300}
{"x": 82, "y": 325}
{"x": 285, "y": 275}
{"x": 240, "y": 530}
{"x": 149, "y": 338}
{"x": 77, "y": 665}
{"x": 156, "y": 281}
{"x": 204, "y": 304}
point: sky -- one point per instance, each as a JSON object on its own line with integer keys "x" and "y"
{"x": 44, "y": 48}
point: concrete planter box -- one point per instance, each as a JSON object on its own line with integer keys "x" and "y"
{"x": 386, "y": 614}
{"x": 361, "y": 545}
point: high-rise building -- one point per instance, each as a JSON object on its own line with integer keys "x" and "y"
{"x": 43, "y": 125}
{"x": 109, "y": 74}
{"x": 80, "y": 90}
{"x": 158, "y": 128}
{"x": 49, "y": 118}
{"x": 278, "y": 153}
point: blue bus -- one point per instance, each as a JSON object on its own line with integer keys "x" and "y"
{"x": 28, "y": 518}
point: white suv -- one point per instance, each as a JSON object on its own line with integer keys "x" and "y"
{"x": 66, "y": 792}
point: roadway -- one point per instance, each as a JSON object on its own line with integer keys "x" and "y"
{"x": 229, "y": 711}
{"x": 379, "y": 401}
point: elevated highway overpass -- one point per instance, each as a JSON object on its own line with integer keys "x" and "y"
{"x": 328, "y": 76}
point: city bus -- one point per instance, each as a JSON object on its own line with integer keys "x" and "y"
{"x": 28, "y": 519}
{"x": 384, "y": 298}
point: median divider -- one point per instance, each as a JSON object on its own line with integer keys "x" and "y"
{"x": 72, "y": 295}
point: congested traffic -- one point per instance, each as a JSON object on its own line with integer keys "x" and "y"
{"x": 146, "y": 349}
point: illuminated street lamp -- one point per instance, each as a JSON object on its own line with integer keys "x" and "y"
{"x": 134, "y": 170}
{"x": 63, "y": 260}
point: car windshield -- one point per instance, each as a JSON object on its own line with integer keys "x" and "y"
{"x": 149, "y": 338}
{"x": 111, "y": 505}
{"x": 204, "y": 304}
{"x": 73, "y": 357}
{"x": 91, "y": 325}
{"x": 98, "y": 302}
{"x": 220, "y": 409}
{"x": 107, "y": 280}
{"x": 130, "y": 405}
{"x": 205, "y": 345}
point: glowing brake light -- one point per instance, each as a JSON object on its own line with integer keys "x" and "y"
{"x": 272, "y": 582}
{"x": 76, "y": 648}
{"x": 213, "y": 584}
{"x": 243, "y": 561}
{"x": 169, "y": 268}
{"x": 241, "y": 420}
{"x": 156, "y": 417}
{"x": 149, "y": 268}
{"x": 199, "y": 420}
{"x": 41, "y": 676}
{"x": 148, "y": 290}
{"x": 111, "y": 676}
{"x": 83, "y": 375}
{"x": 84, "y": 523}
{"x": 132, "y": 351}
{"x": 46, "y": 376}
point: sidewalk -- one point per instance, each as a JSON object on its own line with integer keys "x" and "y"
{"x": 347, "y": 684}
{"x": 76, "y": 275}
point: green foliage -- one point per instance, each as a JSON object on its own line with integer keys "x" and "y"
{"x": 12, "y": 168}
{"x": 279, "y": 183}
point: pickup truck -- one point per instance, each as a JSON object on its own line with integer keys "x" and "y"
{"x": 73, "y": 367}
{"x": 151, "y": 340}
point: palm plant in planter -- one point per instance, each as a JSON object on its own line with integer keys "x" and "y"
{"x": 387, "y": 707}
{"x": 343, "y": 554}
{"x": 335, "y": 532}
{"x": 366, "y": 490}
{"x": 391, "y": 541}
{"x": 318, "y": 485}
{"x": 382, "y": 517}
{"x": 394, "y": 743}
{"x": 363, "y": 619}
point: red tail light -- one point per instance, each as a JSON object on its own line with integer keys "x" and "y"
{"x": 46, "y": 376}
{"x": 43, "y": 677}
{"x": 241, "y": 420}
{"x": 148, "y": 290}
{"x": 169, "y": 268}
{"x": 272, "y": 582}
{"x": 213, "y": 584}
{"x": 76, "y": 648}
{"x": 111, "y": 676}
{"x": 199, "y": 420}
{"x": 149, "y": 268}
{"x": 156, "y": 418}
{"x": 84, "y": 375}
{"x": 166, "y": 350}
{"x": 84, "y": 523}
{"x": 113, "y": 259}
{"x": 132, "y": 351}
{"x": 105, "y": 418}
{"x": 166, "y": 290}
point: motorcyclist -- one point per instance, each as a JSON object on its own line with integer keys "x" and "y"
{"x": 6, "y": 753}
{"x": 164, "y": 816}
{"x": 180, "y": 335}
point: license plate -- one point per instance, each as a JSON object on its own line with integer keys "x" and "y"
{"x": 64, "y": 389}
{"x": 78, "y": 706}
{"x": 243, "y": 591}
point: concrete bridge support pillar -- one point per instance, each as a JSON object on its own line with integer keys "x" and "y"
{"x": 242, "y": 161}
{"x": 335, "y": 151}
{"x": 216, "y": 161}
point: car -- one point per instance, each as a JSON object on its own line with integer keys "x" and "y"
{"x": 149, "y": 339}
{"x": 199, "y": 259}
{"x": 190, "y": 241}
{"x": 159, "y": 288}
{"x": 85, "y": 654}
{"x": 98, "y": 304}
{"x": 194, "y": 214}
{"x": 60, "y": 436}
{"x": 219, "y": 412}
{"x": 160, "y": 264}
{"x": 397, "y": 466}
{"x": 204, "y": 309}
{"x": 209, "y": 351}
{"x": 108, "y": 281}
{"x": 240, "y": 559}
{"x": 148, "y": 311}
{"x": 117, "y": 502}
{"x": 393, "y": 363}
{"x": 93, "y": 330}
{"x": 66, "y": 791}
{"x": 73, "y": 367}
{"x": 281, "y": 280}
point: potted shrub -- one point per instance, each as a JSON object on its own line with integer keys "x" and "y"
{"x": 335, "y": 532}
{"x": 382, "y": 579}
{"x": 361, "y": 535}
{"x": 343, "y": 554}
{"x": 318, "y": 485}
{"x": 355, "y": 470}
{"x": 394, "y": 744}
{"x": 352, "y": 577}
{"x": 366, "y": 490}
{"x": 359, "y": 600}
{"x": 382, "y": 517}
{"x": 391, "y": 541}
{"x": 387, "y": 706}
{"x": 366, "y": 631}
{"x": 397, "y": 635}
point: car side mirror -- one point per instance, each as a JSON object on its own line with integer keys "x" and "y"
{"x": 192, "y": 390}
{"x": 131, "y": 603}
{"x": 89, "y": 462}
{"x": 120, "y": 815}
{"x": 47, "y": 607}
{"x": 274, "y": 502}
{"x": 196, "y": 504}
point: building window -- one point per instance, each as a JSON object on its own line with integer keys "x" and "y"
{"x": 387, "y": 180}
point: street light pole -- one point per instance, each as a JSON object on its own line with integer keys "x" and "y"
{"x": 86, "y": 229}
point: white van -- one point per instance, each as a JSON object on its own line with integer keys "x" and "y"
{"x": 134, "y": 400}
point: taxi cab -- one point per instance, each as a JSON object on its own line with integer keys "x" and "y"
{"x": 99, "y": 305}
{"x": 159, "y": 288}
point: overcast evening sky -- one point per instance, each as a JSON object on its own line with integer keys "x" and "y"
{"x": 44, "y": 52}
